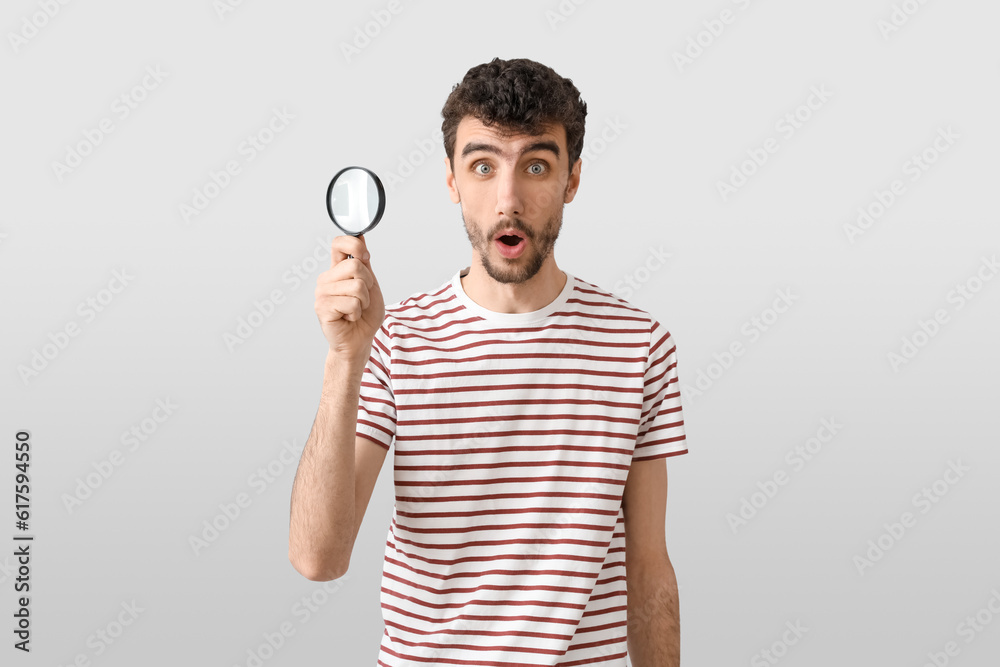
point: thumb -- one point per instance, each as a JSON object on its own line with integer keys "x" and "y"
{"x": 367, "y": 261}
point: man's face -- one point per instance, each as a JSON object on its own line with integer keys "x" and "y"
{"x": 518, "y": 183}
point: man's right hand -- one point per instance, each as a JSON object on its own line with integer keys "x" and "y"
{"x": 349, "y": 301}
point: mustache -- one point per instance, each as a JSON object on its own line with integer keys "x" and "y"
{"x": 516, "y": 224}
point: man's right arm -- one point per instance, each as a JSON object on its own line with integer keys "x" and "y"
{"x": 335, "y": 478}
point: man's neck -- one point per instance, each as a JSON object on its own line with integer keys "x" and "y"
{"x": 542, "y": 289}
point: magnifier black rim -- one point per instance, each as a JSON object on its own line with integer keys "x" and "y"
{"x": 381, "y": 200}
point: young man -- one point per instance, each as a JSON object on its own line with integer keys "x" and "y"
{"x": 531, "y": 412}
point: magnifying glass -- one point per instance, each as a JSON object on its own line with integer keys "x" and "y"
{"x": 355, "y": 200}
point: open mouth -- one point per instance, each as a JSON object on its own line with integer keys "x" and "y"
{"x": 509, "y": 237}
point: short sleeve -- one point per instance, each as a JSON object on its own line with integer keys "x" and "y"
{"x": 376, "y": 403}
{"x": 661, "y": 424}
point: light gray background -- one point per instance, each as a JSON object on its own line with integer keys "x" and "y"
{"x": 650, "y": 187}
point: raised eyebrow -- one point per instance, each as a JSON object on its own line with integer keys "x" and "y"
{"x": 473, "y": 147}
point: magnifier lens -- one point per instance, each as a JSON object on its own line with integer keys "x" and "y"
{"x": 355, "y": 200}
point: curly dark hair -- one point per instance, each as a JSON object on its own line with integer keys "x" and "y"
{"x": 519, "y": 96}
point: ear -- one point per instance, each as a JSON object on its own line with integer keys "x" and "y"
{"x": 449, "y": 179}
{"x": 574, "y": 181}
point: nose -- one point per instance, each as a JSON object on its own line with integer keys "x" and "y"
{"x": 508, "y": 195}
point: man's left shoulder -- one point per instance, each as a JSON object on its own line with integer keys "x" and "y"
{"x": 602, "y": 302}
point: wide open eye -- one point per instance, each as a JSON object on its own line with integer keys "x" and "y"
{"x": 541, "y": 169}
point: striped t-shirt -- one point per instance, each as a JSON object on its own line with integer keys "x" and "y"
{"x": 513, "y": 436}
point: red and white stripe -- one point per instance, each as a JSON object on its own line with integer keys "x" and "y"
{"x": 513, "y": 437}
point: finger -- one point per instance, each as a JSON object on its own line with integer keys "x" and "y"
{"x": 334, "y": 307}
{"x": 350, "y": 307}
{"x": 346, "y": 246}
{"x": 355, "y": 288}
{"x": 363, "y": 295}
{"x": 366, "y": 260}
{"x": 347, "y": 269}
